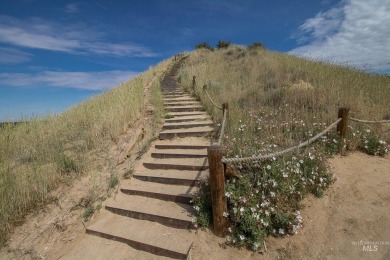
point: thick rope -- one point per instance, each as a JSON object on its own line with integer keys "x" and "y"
{"x": 222, "y": 127}
{"x": 205, "y": 90}
{"x": 277, "y": 154}
{"x": 370, "y": 122}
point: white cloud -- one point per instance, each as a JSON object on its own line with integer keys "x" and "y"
{"x": 356, "y": 33}
{"x": 82, "y": 80}
{"x": 72, "y": 8}
{"x": 13, "y": 56}
{"x": 76, "y": 38}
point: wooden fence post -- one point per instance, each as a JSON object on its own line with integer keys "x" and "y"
{"x": 225, "y": 106}
{"x": 193, "y": 83}
{"x": 342, "y": 127}
{"x": 217, "y": 184}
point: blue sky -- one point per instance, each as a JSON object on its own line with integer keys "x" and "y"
{"x": 54, "y": 54}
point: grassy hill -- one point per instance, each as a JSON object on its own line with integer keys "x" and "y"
{"x": 279, "y": 99}
{"x": 36, "y": 156}
{"x": 275, "y": 101}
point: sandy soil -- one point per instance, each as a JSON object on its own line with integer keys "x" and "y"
{"x": 352, "y": 221}
{"x": 354, "y": 212}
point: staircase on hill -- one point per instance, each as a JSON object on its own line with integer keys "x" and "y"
{"x": 153, "y": 210}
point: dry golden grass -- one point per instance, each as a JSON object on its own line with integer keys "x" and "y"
{"x": 36, "y": 156}
{"x": 277, "y": 100}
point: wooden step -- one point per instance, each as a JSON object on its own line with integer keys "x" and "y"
{"x": 190, "y": 132}
{"x": 180, "y": 146}
{"x": 184, "y": 108}
{"x": 184, "y": 99}
{"x": 175, "y": 193}
{"x": 175, "y": 96}
{"x": 174, "y": 93}
{"x": 164, "y": 212}
{"x": 186, "y": 114}
{"x": 182, "y": 103}
{"x": 143, "y": 235}
{"x": 177, "y": 155}
{"x": 174, "y": 166}
{"x": 187, "y": 125}
{"x": 176, "y": 177}
{"x": 183, "y": 119}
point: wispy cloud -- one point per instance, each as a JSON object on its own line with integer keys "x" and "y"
{"x": 75, "y": 38}
{"x": 82, "y": 80}
{"x": 355, "y": 32}
{"x": 72, "y": 8}
{"x": 13, "y": 56}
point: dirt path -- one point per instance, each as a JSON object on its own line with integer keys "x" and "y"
{"x": 354, "y": 213}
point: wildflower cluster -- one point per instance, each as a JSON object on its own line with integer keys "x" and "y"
{"x": 264, "y": 132}
{"x": 266, "y": 200}
{"x": 202, "y": 205}
{"x": 369, "y": 142}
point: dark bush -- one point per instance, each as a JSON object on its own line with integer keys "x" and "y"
{"x": 223, "y": 44}
{"x": 256, "y": 45}
{"x": 204, "y": 45}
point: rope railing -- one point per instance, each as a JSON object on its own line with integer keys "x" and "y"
{"x": 221, "y": 133}
{"x": 280, "y": 153}
{"x": 224, "y": 108}
{"x": 217, "y": 166}
{"x": 211, "y": 100}
{"x": 369, "y": 122}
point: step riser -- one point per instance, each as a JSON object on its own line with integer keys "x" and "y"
{"x": 186, "y": 120}
{"x": 181, "y": 104}
{"x": 184, "y": 109}
{"x": 175, "y": 223}
{"x": 170, "y": 146}
{"x": 165, "y": 136}
{"x": 175, "y": 95}
{"x": 160, "y": 196}
{"x": 139, "y": 246}
{"x": 167, "y": 100}
{"x": 169, "y": 156}
{"x": 186, "y": 126}
{"x": 167, "y": 93}
{"x": 195, "y": 114}
{"x": 160, "y": 166}
{"x": 170, "y": 181}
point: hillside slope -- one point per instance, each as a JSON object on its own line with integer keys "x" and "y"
{"x": 275, "y": 101}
